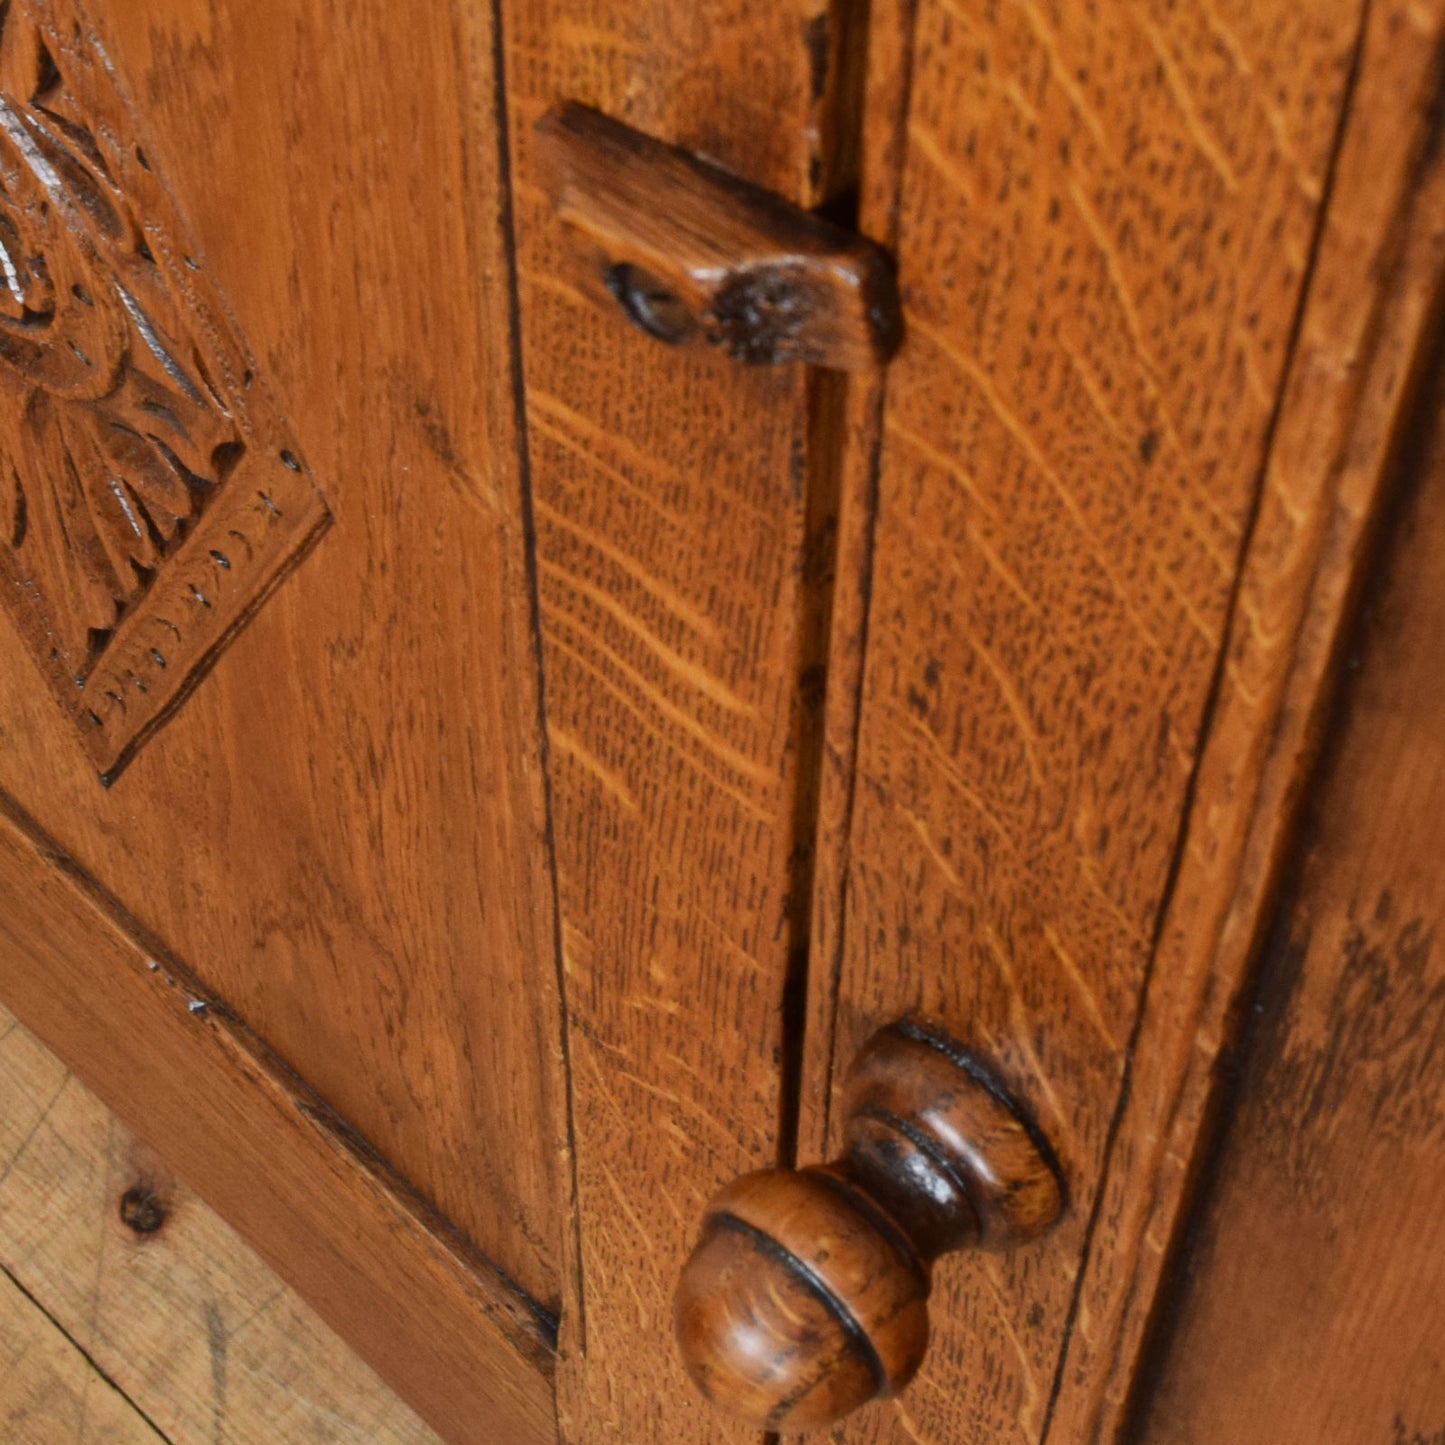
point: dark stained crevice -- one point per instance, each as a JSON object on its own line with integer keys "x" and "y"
{"x": 837, "y": 46}
{"x": 820, "y": 477}
{"x": 836, "y": 42}
{"x": 868, "y": 505}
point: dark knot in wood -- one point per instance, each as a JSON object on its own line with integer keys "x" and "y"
{"x": 761, "y": 315}
{"x": 142, "y": 1211}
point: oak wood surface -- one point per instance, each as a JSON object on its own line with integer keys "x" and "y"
{"x": 1046, "y": 666}
{"x": 1312, "y": 1306}
{"x": 164, "y": 1301}
{"x": 1371, "y": 321}
{"x": 341, "y": 829}
{"x": 152, "y": 497}
{"x": 453, "y": 1338}
{"x": 675, "y": 611}
{"x": 1104, "y": 218}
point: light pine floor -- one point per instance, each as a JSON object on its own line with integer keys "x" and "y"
{"x": 125, "y": 1333}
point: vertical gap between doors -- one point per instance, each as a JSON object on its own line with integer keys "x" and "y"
{"x": 826, "y": 395}
{"x": 837, "y": 43}
{"x": 840, "y": 41}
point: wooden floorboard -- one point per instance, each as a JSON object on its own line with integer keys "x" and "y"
{"x": 50, "y": 1394}
{"x": 167, "y": 1327}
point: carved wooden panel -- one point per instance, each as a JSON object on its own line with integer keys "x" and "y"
{"x": 148, "y": 499}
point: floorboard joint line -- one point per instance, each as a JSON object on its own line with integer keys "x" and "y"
{"x": 95, "y": 1366}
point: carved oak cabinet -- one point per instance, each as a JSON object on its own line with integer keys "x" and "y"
{"x": 750, "y": 691}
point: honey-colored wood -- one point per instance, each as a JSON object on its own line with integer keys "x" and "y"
{"x": 1313, "y": 1303}
{"x": 341, "y": 829}
{"x": 806, "y": 1295}
{"x": 450, "y": 1335}
{"x": 775, "y": 1338}
{"x": 676, "y": 614}
{"x": 693, "y": 256}
{"x": 1103, "y": 217}
{"x": 488, "y": 803}
{"x": 1370, "y": 318}
{"x": 167, "y": 1304}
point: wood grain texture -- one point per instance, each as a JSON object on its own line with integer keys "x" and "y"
{"x": 342, "y": 829}
{"x": 1104, "y": 220}
{"x": 172, "y": 1309}
{"x": 671, "y": 521}
{"x": 461, "y": 1344}
{"x": 1313, "y": 1302}
{"x": 1372, "y": 316}
{"x": 49, "y": 1393}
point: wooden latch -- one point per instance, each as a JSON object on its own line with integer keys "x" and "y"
{"x": 696, "y": 257}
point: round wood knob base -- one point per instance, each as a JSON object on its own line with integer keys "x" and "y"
{"x": 807, "y": 1293}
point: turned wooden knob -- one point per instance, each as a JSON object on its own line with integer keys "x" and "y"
{"x": 807, "y": 1294}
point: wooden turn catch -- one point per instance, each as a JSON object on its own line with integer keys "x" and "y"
{"x": 696, "y": 257}
{"x": 807, "y": 1295}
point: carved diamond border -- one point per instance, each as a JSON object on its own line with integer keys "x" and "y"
{"x": 260, "y": 514}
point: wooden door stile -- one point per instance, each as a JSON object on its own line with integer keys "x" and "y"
{"x": 1309, "y": 1303}
{"x": 681, "y": 539}
{"x": 1369, "y": 326}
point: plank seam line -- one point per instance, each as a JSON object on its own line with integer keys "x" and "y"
{"x": 872, "y": 504}
{"x": 507, "y": 221}
{"x": 85, "y": 1354}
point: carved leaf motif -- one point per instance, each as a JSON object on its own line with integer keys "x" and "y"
{"x": 124, "y": 424}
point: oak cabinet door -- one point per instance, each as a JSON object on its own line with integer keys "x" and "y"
{"x": 1168, "y": 274}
